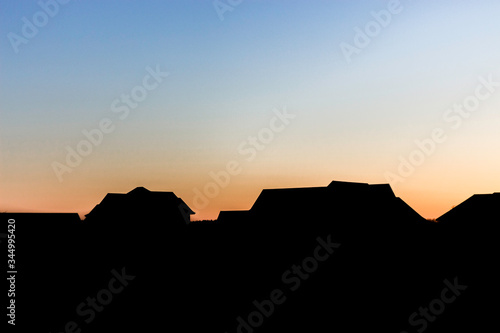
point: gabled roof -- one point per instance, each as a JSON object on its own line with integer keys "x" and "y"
{"x": 139, "y": 198}
{"x": 340, "y": 199}
{"x": 283, "y": 199}
{"x": 141, "y": 191}
{"x": 476, "y": 209}
{"x": 318, "y": 196}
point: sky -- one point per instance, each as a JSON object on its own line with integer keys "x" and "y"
{"x": 217, "y": 100}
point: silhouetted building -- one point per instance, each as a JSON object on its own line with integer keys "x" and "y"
{"x": 337, "y": 253}
{"x": 479, "y": 210}
{"x": 339, "y": 202}
{"x": 141, "y": 204}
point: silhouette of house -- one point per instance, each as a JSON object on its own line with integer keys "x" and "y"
{"x": 377, "y": 262}
{"x": 475, "y": 211}
{"x": 140, "y": 204}
{"x": 342, "y": 201}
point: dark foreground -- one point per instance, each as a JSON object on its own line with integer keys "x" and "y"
{"x": 365, "y": 269}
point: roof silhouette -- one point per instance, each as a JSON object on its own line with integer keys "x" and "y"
{"x": 340, "y": 200}
{"x": 140, "y": 203}
{"x": 479, "y": 208}
{"x": 387, "y": 253}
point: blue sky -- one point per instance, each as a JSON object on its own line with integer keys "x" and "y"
{"x": 353, "y": 119}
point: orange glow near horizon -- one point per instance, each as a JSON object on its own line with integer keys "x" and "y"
{"x": 91, "y": 107}
{"x": 237, "y": 196}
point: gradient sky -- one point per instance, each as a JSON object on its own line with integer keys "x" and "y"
{"x": 354, "y": 120}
